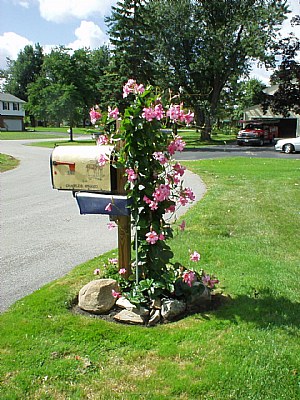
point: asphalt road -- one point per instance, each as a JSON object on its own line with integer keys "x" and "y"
{"x": 43, "y": 236}
{"x": 234, "y": 150}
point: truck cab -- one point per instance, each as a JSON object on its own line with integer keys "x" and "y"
{"x": 256, "y": 133}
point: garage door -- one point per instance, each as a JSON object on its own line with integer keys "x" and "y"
{"x": 13, "y": 124}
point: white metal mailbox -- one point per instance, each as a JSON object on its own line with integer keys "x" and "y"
{"x": 77, "y": 168}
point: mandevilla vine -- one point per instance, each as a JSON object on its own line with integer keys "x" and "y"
{"x": 154, "y": 180}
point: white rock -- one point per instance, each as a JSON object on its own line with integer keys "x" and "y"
{"x": 122, "y": 302}
{"x": 130, "y": 317}
{"x": 96, "y": 296}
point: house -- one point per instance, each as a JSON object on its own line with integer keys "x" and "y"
{"x": 286, "y": 127}
{"x": 11, "y": 113}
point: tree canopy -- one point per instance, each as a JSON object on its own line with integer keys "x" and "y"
{"x": 287, "y": 77}
{"x": 24, "y": 70}
{"x": 203, "y": 44}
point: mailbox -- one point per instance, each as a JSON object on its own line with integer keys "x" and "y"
{"x": 77, "y": 168}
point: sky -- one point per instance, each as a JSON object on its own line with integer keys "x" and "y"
{"x": 72, "y": 23}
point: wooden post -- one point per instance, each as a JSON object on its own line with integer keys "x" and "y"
{"x": 124, "y": 224}
{"x": 124, "y": 230}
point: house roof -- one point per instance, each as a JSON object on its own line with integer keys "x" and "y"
{"x": 10, "y": 97}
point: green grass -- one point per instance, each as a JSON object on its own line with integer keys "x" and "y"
{"x": 246, "y": 229}
{"x": 27, "y": 135}
{"x": 52, "y": 143}
{"x": 7, "y": 162}
{"x": 191, "y": 137}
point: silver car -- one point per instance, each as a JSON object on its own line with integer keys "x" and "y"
{"x": 288, "y": 145}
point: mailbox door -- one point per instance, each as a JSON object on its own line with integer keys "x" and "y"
{"x": 77, "y": 168}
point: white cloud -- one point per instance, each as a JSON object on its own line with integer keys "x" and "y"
{"x": 24, "y": 4}
{"x": 88, "y": 35}
{"x": 10, "y": 46}
{"x": 62, "y": 10}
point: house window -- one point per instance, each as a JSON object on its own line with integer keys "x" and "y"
{"x": 5, "y": 105}
{"x": 16, "y": 106}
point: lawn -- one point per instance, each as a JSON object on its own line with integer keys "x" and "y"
{"x": 7, "y": 162}
{"x": 246, "y": 229}
{"x": 190, "y": 136}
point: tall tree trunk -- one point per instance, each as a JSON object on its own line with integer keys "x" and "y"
{"x": 71, "y": 133}
{"x": 202, "y": 123}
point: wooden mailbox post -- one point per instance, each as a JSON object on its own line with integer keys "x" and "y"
{"x": 124, "y": 229}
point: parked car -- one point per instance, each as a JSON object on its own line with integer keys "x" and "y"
{"x": 288, "y": 145}
{"x": 255, "y": 133}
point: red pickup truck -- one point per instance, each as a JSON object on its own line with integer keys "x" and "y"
{"x": 256, "y": 133}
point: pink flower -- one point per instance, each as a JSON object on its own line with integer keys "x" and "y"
{"x": 182, "y": 225}
{"x": 139, "y": 89}
{"x": 102, "y": 139}
{"x": 176, "y": 145}
{"x": 161, "y": 236}
{"x": 131, "y": 175}
{"x": 183, "y": 200}
{"x": 148, "y": 114}
{"x": 146, "y": 200}
{"x": 102, "y": 160}
{"x": 159, "y": 112}
{"x": 180, "y": 144}
{"x": 195, "y": 256}
{"x": 113, "y": 261}
{"x": 186, "y": 195}
{"x": 114, "y": 114}
{"x": 94, "y": 115}
{"x": 190, "y": 194}
{"x": 108, "y": 207}
{"x": 172, "y": 208}
{"x": 122, "y": 271}
{"x": 153, "y": 205}
{"x": 175, "y": 113}
{"x": 159, "y": 156}
{"x": 97, "y": 271}
{"x": 132, "y": 87}
{"x": 162, "y": 193}
{"x": 189, "y": 277}
{"x": 111, "y": 226}
{"x": 207, "y": 281}
{"x": 115, "y": 294}
{"x": 172, "y": 148}
{"x": 179, "y": 169}
{"x": 188, "y": 118}
{"x": 152, "y": 237}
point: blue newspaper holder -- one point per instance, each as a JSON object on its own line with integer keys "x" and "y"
{"x": 97, "y": 203}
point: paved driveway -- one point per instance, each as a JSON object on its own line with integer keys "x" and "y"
{"x": 42, "y": 233}
{"x": 43, "y": 236}
{"x": 234, "y": 150}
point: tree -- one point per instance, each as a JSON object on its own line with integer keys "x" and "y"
{"x": 287, "y": 77}
{"x": 130, "y": 35}
{"x": 201, "y": 45}
{"x": 24, "y": 70}
{"x": 239, "y": 95}
{"x": 67, "y": 87}
{"x": 54, "y": 94}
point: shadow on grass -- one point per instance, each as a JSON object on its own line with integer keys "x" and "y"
{"x": 264, "y": 310}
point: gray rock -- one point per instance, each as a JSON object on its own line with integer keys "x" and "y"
{"x": 171, "y": 308}
{"x": 96, "y": 296}
{"x": 156, "y": 304}
{"x": 130, "y": 317}
{"x": 198, "y": 300}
